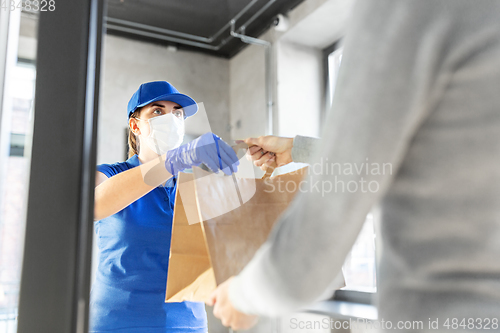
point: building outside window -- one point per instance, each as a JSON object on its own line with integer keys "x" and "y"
{"x": 14, "y": 193}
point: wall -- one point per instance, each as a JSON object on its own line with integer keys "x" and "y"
{"x": 128, "y": 63}
{"x": 297, "y": 79}
{"x": 318, "y": 23}
{"x": 300, "y": 89}
{"x": 247, "y": 92}
{"x": 297, "y": 74}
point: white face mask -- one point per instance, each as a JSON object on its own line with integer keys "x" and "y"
{"x": 166, "y": 132}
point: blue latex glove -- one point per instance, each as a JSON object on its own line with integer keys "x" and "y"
{"x": 208, "y": 149}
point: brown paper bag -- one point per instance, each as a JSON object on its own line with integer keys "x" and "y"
{"x": 236, "y": 216}
{"x": 190, "y": 274}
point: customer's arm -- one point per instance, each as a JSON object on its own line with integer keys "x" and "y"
{"x": 303, "y": 148}
{"x": 265, "y": 150}
{"x": 397, "y": 63}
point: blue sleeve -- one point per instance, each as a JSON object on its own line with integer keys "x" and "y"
{"x": 108, "y": 169}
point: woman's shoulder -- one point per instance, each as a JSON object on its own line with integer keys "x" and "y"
{"x": 115, "y": 168}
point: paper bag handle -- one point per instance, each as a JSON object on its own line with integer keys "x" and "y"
{"x": 269, "y": 170}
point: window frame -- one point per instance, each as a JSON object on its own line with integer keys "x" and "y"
{"x": 326, "y": 77}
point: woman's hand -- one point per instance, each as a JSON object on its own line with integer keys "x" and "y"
{"x": 208, "y": 149}
{"x": 266, "y": 149}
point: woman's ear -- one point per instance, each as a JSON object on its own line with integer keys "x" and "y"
{"x": 134, "y": 127}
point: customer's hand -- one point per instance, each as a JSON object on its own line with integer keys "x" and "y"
{"x": 264, "y": 150}
{"x": 208, "y": 149}
{"x": 224, "y": 310}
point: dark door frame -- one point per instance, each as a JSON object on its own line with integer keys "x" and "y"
{"x": 55, "y": 282}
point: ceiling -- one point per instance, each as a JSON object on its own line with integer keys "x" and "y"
{"x": 322, "y": 27}
{"x": 166, "y": 21}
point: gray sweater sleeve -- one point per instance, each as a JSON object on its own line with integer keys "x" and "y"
{"x": 399, "y": 58}
{"x": 303, "y": 147}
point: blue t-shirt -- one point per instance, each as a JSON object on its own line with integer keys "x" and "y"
{"x": 128, "y": 294}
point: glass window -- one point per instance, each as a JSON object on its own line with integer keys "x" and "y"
{"x": 14, "y": 194}
{"x": 359, "y": 268}
{"x": 16, "y": 121}
{"x": 334, "y": 60}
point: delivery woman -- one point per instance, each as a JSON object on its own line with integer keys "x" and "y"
{"x": 134, "y": 203}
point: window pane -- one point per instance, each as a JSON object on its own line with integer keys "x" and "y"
{"x": 16, "y": 121}
{"x": 334, "y": 60}
{"x": 359, "y": 268}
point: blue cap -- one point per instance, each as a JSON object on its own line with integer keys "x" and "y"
{"x": 160, "y": 91}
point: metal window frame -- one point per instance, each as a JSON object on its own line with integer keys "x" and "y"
{"x": 55, "y": 282}
{"x": 354, "y": 296}
{"x": 26, "y": 61}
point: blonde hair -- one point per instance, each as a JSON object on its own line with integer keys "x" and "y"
{"x": 133, "y": 142}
